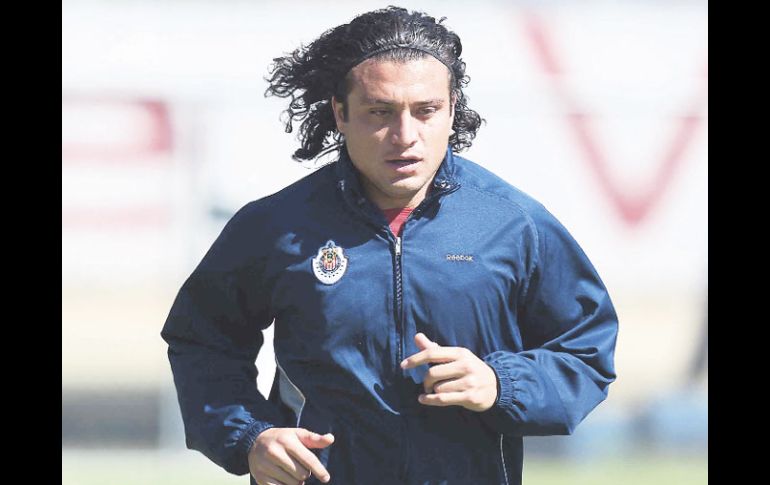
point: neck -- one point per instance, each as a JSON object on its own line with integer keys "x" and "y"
{"x": 384, "y": 201}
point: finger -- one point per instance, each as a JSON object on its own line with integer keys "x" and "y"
{"x": 442, "y": 399}
{"x": 307, "y": 459}
{"x": 293, "y": 467}
{"x": 275, "y": 473}
{"x": 442, "y": 372}
{"x": 423, "y": 342}
{"x": 314, "y": 440}
{"x": 432, "y": 355}
{"x": 448, "y": 386}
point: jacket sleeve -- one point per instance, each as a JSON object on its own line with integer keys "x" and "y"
{"x": 213, "y": 332}
{"x": 568, "y": 327}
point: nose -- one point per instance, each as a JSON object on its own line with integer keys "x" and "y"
{"x": 404, "y": 131}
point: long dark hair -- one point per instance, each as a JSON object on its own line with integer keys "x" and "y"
{"x": 313, "y": 74}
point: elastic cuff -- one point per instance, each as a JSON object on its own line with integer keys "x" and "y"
{"x": 505, "y": 379}
{"x": 496, "y": 416}
{"x": 247, "y": 441}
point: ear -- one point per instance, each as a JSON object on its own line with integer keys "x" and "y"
{"x": 339, "y": 117}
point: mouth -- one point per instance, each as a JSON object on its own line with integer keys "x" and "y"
{"x": 404, "y": 164}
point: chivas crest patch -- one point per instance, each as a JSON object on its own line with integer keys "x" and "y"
{"x": 330, "y": 264}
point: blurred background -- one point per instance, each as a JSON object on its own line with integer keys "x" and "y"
{"x": 598, "y": 109}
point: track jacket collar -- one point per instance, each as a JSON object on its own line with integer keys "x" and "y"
{"x": 347, "y": 178}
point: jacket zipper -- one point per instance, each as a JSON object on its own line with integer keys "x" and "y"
{"x": 399, "y": 305}
{"x": 400, "y": 356}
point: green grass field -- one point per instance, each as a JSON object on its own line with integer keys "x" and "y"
{"x": 649, "y": 470}
{"x": 191, "y": 468}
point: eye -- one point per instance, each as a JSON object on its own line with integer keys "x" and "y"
{"x": 428, "y": 110}
{"x": 379, "y": 112}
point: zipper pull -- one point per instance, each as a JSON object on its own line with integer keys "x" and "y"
{"x": 398, "y": 246}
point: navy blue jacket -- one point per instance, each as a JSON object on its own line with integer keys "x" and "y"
{"x": 479, "y": 265}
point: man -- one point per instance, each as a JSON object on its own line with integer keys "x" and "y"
{"x": 427, "y": 314}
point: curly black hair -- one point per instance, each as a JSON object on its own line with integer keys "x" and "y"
{"x": 313, "y": 74}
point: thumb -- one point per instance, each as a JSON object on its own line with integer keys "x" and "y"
{"x": 314, "y": 440}
{"x": 424, "y": 342}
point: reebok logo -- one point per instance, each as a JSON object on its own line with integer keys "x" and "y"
{"x": 460, "y": 257}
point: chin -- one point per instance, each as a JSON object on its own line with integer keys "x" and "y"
{"x": 403, "y": 190}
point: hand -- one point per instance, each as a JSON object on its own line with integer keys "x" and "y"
{"x": 459, "y": 379}
{"x": 281, "y": 456}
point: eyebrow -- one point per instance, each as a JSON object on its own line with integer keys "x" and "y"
{"x": 370, "y": 101}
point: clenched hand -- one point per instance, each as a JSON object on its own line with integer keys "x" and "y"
{"x": 282, "y": 456}
{"x": 459, "y": 377}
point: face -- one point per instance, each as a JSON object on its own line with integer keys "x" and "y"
{"x": 397, "y": 128}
